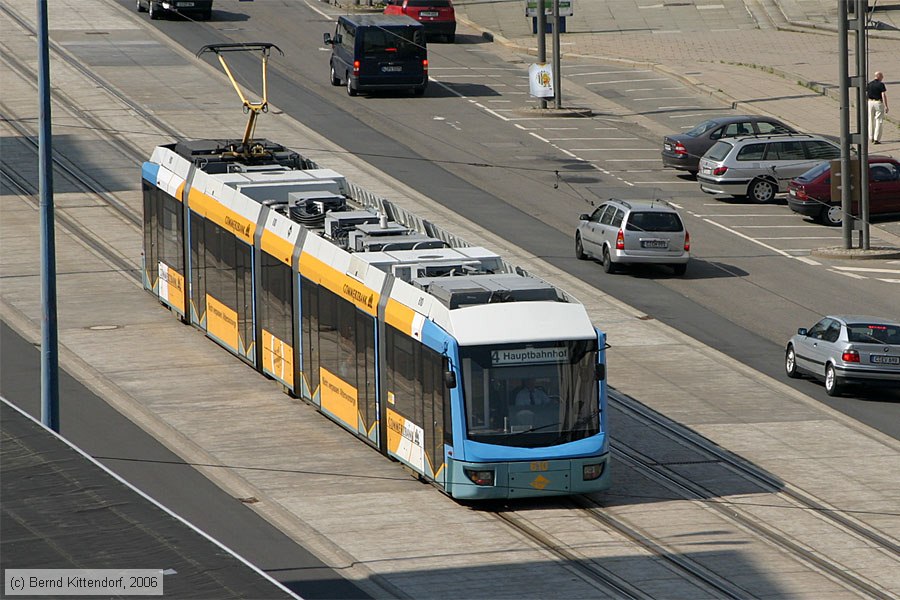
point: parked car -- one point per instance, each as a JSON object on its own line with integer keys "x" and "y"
{"x": 201, "y": 8}
{"x": 623, "y": 233}
{"x": 378, "y": 52}
{"x": 683, "y": 150}
{"x": 810, "y": 193}
{"x": 437, "y": 16}
{"x": 844, "y": 350}
{"x": 761, "y": 166}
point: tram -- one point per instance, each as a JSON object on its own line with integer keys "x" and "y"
{"x": 414, "y": 341}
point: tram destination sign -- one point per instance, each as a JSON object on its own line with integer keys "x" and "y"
{"x": 529, "y": 356}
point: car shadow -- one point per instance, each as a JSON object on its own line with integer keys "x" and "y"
{"x": 470, "y": 90}
{"x": 697, "y": 269}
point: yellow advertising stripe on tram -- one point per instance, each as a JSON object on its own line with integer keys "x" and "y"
{"x": 278, "y": 358}
{"x": 339, "y": 398}
{"x": 399, "y": 316}
{"x": 221, "y": 322}
{"x": 341, "y": 284}
{"x": 223, "y": 216}
{"x": 276, "y": 246}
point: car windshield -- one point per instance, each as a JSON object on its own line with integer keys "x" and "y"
{"x": 654, "y": 221}
{"x": 874, "y": 333}
{"x": 719, "y": 151}
{"x": 815, "y": 172}
{"x": 701, "y": 128}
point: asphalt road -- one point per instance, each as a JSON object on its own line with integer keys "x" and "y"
{"x": 147, "y": 464}
{"x": 739, "y": 296}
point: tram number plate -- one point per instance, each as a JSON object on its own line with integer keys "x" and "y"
{"x": 541, "y": 465}
{"x": 878, "y": 359}
{"x": 654, "y": 243}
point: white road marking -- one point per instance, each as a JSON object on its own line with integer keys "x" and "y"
{"x": 869, "y": 270}
{"x": 802, "y": 237}
{"x": 663, "y": 98}
{"x": 853, "y": 275}
{"x": 888, "y": 280}
{"x": 624, "y": 81}
{"x": 592, "y": 138}
{"x": 610, "y": 73}
{"x": 677, "y": 106}
{"x": 615, "y": 150}
{"x": 686, "y": 116}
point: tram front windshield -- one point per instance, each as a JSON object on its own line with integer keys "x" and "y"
{"x": 531, "y": 396}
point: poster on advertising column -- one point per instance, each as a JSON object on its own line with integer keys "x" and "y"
{"x": 540, "y": 77}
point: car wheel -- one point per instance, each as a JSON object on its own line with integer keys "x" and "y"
{"x": 680, "y": 269}
{"x": 833, "y": 385}
{"x": 831, "y": 215}
{"x": 140, "y": 7}
{"x": 351, "y": 91}
{"x": 154, "y": 11}
{"x": 761, "y": 190}
{"x": 790, "y": 362}
{"x": 335, "y": 80}
{"x": 693, "y": 173}
{"x": 419, "y": 91}
{"x": 579, "y": 248}
{"x": 608, "y": 264}
{"x": 206, "y": 15}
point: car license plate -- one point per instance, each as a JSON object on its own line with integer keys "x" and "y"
{"x": 428, "y": 13}
{"x": 667, "y": 146}
{"x": 878, "y": 359}
{"x": 793, "y": 193}
{"x": 184, "y": 4}
{"x": 654, "y": 243}
{"x": 391, "y": 69}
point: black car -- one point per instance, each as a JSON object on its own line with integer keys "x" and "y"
{"x": 683, "y": 150}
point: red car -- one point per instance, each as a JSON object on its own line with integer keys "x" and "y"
{"x": 810, "y": 193}
{"x": 437, "y": 16}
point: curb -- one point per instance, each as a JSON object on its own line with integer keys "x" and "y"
{"x": 878, "y": 252}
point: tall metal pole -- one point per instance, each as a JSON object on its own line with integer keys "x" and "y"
{"x": 862, "y": 118}
{"x": 542, "y": 43}
{"x": 49, "y": 339}
{"x": 557, "y": 90}
{"x": 844, "y": 114}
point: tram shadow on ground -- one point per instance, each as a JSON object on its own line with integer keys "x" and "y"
{"x": 22, "y": 152}
{"x": 611, "y": 571}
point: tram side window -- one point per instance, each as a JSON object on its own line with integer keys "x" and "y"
{"x": 415, "y": 376}
{"x": 309, "y": 322}
{"x": 275, "y": 298}
{"x": 198, "y": 264}
{"x": 171, "y": 249}
{"x": 151, "y": 231}
{"x": 228, "y": 275}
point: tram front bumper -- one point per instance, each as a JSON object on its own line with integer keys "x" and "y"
{"x": 529, "y": 479}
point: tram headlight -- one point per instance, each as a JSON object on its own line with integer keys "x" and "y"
{"x": 480, "y": 477}
{"x": 592, "y": 472}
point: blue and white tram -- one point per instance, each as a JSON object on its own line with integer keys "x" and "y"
{"x": 483, "y": 380}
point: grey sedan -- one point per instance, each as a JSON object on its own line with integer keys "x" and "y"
{"x": 683, "y": 150}
{"x": 846, "y": 349}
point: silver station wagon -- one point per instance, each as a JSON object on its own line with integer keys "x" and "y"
{"x": 623, "y": 232}
{"x": 760, "y": 166}
{"x": 845, "y": 350}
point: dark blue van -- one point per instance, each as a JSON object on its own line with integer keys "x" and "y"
{"x": 378, "y": 52}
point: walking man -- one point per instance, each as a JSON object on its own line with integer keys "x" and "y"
{"x": 876, "y": 92}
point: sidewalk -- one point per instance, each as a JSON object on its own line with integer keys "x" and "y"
{"x": 771, "y": 57}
